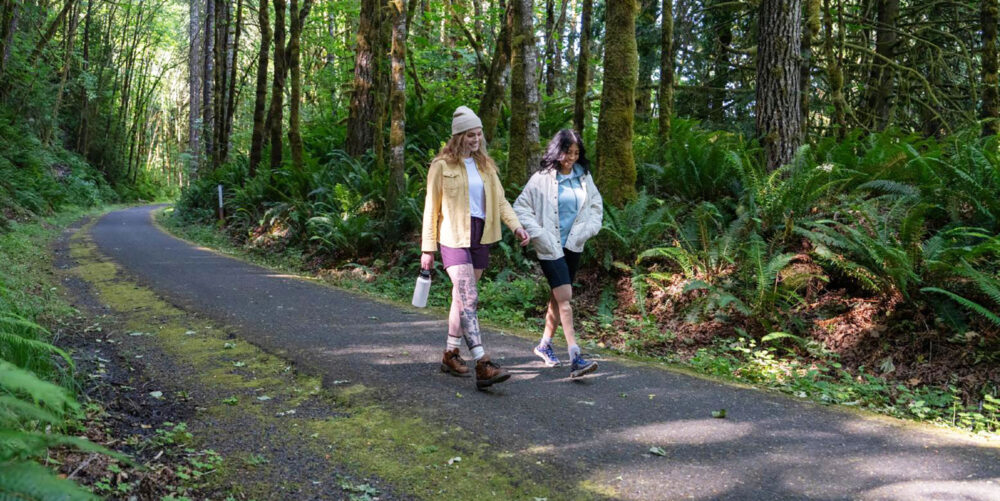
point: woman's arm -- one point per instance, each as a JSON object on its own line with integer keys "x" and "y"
{"x": 596, "y": 205}
{"x": 432, "y": 209}
{"x": 524, "y": 208}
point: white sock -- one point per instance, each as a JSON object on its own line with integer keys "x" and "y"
{"x": 545, "y": 341}
{"x": 478, "y": 352}
{"x": 574, "y": 351}
{"x": 454, "y": 342}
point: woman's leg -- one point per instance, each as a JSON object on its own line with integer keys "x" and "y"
{"x": 465, "y": 301}
{"x": 562, "y": 296}
{"x": 455, "y": 332}
{"x": 551, "y": 319}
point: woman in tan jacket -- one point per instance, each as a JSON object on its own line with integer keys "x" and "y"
{"x": 462, "y": 213}
{"x": 561, "y": 209}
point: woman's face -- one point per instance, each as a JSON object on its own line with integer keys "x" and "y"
{"x": 569, "y": 157}
{"x": 471, "y": 139}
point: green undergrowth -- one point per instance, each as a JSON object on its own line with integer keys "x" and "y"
{"x": 259, "y": 394}
{"x": 742, "y": 359}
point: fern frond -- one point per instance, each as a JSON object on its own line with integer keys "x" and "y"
{"x": 29, "y": 481}
{"x": 16, "y": 380}
{"x": 968, "y": 303}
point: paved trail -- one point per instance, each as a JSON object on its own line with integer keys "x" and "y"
{"x": 598, "y": 429}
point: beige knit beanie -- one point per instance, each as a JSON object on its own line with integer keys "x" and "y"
{"x": 463, "y": 120}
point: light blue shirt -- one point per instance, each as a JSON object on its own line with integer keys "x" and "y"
{"x": 477, "y": 192}
{"x": 571, "y": 191}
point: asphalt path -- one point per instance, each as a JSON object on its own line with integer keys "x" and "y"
{"x": 598, "y": 428}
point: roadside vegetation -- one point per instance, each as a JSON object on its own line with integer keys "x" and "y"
{"x": 863, "y": 273}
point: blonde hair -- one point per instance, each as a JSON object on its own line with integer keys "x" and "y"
{"x": 451, "y": 152}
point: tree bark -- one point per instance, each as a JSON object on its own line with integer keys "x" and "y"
{"x": 647, "y": 41}
{"x": 7, "y": 31}
{"x": 778, "y": 114}
{"x": 397, "y": 103}
{"x": 68, "y": 45}
{"x": 294, "y": 48}
{"x": 810, "y": 29}
{"x": 195, "y": 68}
{"x": 550, "y": 48}
{"x": 493, "y": 94}
{"x": 583, "y": 67}
{"x": 260, "y": 101}
{"x": 524, "y": 155}
{"x": 616, "y": 172}
{"x": 834, "y": 75}
{"x": 360, "y": 130}
{"x": 991, "y": 100}
{"x": 881, "y": 80}
{"x": 47, "y": 36}
{"x": 666, "y": 93}
{"x": 276, "y": 113}
{"x": 208, "y": 87}
{"x": 234, "y": 53}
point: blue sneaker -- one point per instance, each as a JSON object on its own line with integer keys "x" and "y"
{"x": 580, "y": 367}
{"x": 544, "y": 351}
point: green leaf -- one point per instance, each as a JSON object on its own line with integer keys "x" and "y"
{"x": 719, "y": 414}
{"x": 658, "y": 451}
{"x": 27, "y": 481}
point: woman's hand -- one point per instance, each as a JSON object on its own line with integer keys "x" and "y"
{"x": 426, "y": 260}
{"x": 522, "y": 234}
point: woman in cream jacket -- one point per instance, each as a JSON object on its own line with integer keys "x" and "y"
{"x": 462, "y": 213}
{"x": 561, "y": 209}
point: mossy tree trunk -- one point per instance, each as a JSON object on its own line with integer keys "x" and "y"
{"x": 778, "y": 115}
{"x": 524, "y": 154}
{"x": 616, "y": 173}
{"x": 361, "y": 117}
{"x": 834, "y": 75}
{"x": 493, "y": 93}
{"x": 233, "y": 58}
{"x": 666, "y": 92}
{"x": 583, "y": 67}
{"x": 208, "y": 83}
{"x": 647, "y": 40}
{"x": 195, "y": 81}
{"x": 295, "y": 71}
{"x": 397, "y": 103}
{"x": 278, "y": 84}
{"x": 260, "y": 96}
{"x": 810, "y": 29}
{"x": 881, "y": 79}
{"x": 991, "y": 101}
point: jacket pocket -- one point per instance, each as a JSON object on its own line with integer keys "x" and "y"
{"x": 451, "y": 182}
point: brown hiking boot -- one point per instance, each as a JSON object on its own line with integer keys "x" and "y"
{"x": 488, "y": 373}
{"x": 453, "y": 364}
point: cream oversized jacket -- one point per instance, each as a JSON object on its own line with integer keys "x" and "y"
{"x": 538, "y": 210}
{"x": 446, "y": 207}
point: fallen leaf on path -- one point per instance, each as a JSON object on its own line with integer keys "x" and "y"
{"x": 156, "y": 394}
{"x": 658, "y": 451}
{"x": 719, "y": 414}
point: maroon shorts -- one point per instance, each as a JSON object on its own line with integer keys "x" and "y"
{"x": 478, "y": 255}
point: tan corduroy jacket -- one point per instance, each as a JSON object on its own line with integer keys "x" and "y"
{"x": 446, "y": 207}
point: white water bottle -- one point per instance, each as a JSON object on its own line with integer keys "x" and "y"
{"x": 422, "y": 289}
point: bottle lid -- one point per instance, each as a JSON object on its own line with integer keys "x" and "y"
{"x": 425, "y": 273}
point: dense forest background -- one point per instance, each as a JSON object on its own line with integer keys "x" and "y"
{"x": 798, "y": 192}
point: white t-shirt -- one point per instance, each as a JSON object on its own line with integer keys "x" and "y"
{"x": 477, "y": 192}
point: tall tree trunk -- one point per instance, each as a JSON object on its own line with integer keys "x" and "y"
{"x": 51, "y": 31}
{"x": 721, "y": 23}
{"x": 616, "y": 173}
{"x": 810, "y": 29}
{"x": 360, "y": 130}
{"x": 208, "y": 85}
{"x": 666, "y": 93}
{"x": 260, "y": 101}
{"x": 881, "y": 80}
{"x": 647, "y": 40}
{"x": 778, "y": 114}
{"x": 834, "y": 75}
{"x": 7, "y": 31}
{"x": 493, "y": 94}
{"x": 234, "y": 56}
{"x": 382, "y": 84}
{"x": 221, "y": 79}
{"x": 294, "y": 48}
{"x": 69, "y": 44}
{"x": 195, "y": 68}
{"x": 991, "y": 101}
{"x": 84, "y": 96}
{"x": 583, "y": 67}
{"x": 524, "y": 154}
{"x": 550, "y": 48}
{"x": 397, "y": 102}
{"x": 275, "y": 116}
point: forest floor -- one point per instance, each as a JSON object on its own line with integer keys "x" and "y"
{"x": 303, "y": 391}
